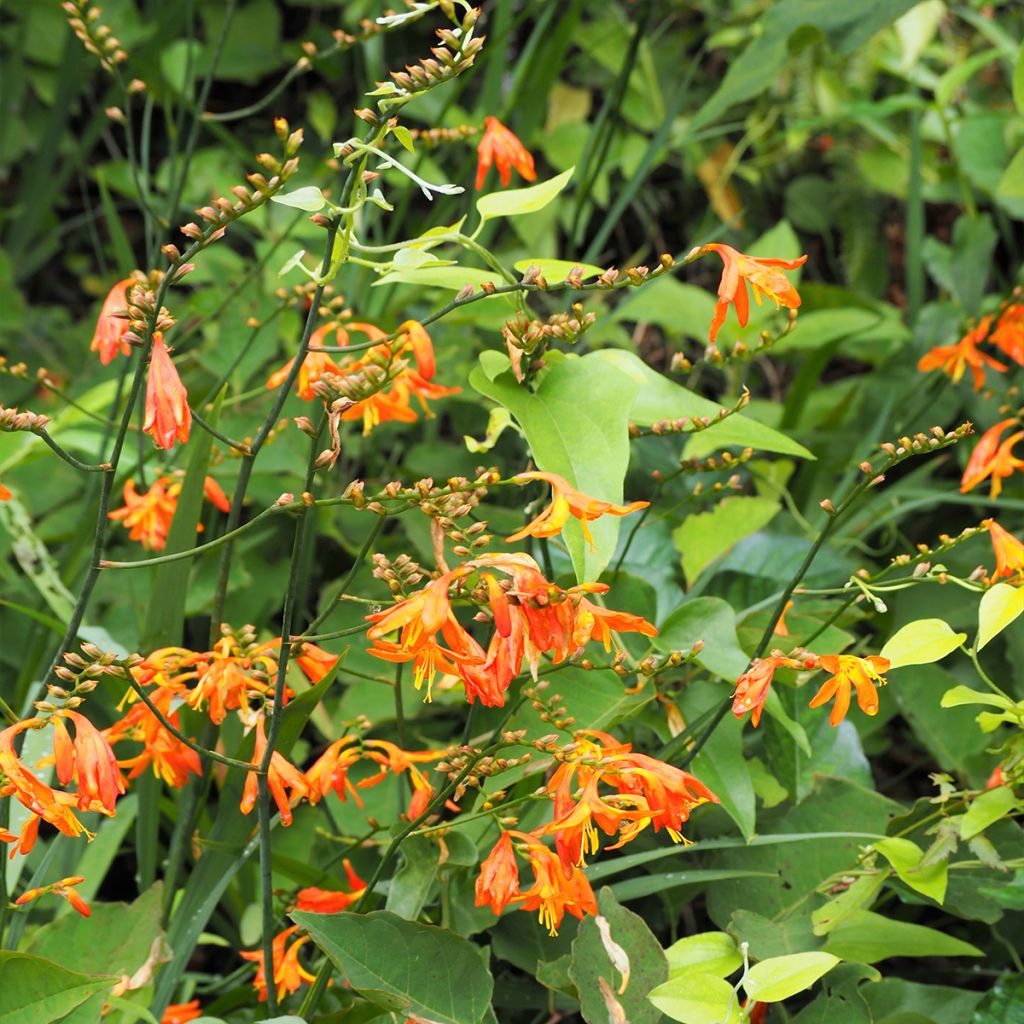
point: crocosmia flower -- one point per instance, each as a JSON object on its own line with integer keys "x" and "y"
{"x": 5, "y": 495}
{"x": 993, "y": 458}
{"x": 181, "y": 1013}
{"x": 851, "y": 673}
{"x": 148, "y": 516}
{"x": 110, "y": 329}
{"x": 952, "y": 360}
{"x": 500, "y": 147}
{"x": 1009, "y": 551}
{"x": 1008, "y": 335}
{"x": 764, "y": 276}
{"x": 61, "y": 888}
{"x": 752, "y": 687}
{"x": 168, "y": 417}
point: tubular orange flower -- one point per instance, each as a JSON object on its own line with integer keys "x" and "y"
{"x": 418, "y": 341}
{"x": 752, "y": 687}
{"x": 148, "y": 516}
{"x": 498, "y": 882}
{"x": 567, "y": 501}
{"x": 1008, "y": 335}
{"x": 394, "y": 402}
{"x": 849, "y": 671}
{"x": 595, "y": 622}
{"x": 952, "y": 360}
{"x": 215, "y": 495}
{"x": 181, "y": 1013}
{"x": 315, "y": 662}
{"x": 993, "y": 457}
{"x": 61, "y": 888}
{"x": 1009, "y": 551}
{"x": 554, "y": 891}
{"x": 90, "y": 760}
{"x": 764, "y": 278}
{"x": 110, "y": 329}
{"x": 228, "y": 676}
{"x": 329, "y": 773}
{"x": 282, "y": 776}
{"x": 328, "y": 901}
{"x": 500, "y": 147}
{"x": 5, "y": 495}
{"x": 289, "y": 974}
{"x": 168, "y": 417}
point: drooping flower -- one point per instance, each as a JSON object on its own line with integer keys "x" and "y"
{"x": 752, "y": 687}
{"x": 851, "y": 673}
{"x": 567, "y": 501}
{"x": 993, "y": 458}
{"x": 952, "y": 360}
{"x": 329, "y": 773}
{"x": 88, "y": 760}
{"x": 498, "y": 146}
{"x": 5, "y": 494}
{"x": 61, "y": 888}
{"x": 1009, "y": 551}
{"x": 289, "y": 974}
{"x": 285, "y": 781}
{"x": 554, "y": 892}
{"x": 148, "y": 516}
{"x": 498, "y": 882}
{"x": 110, "y": 329}
{"x": 393, "y": 760}
{"x": 181, "y": 1013}
{"x": 168, "y": 416}
{"x": 330, "y": 901}
{"x": 764, "y": 276}
{"x": 1008, "y": 335}
{"x": 230, "y": 674}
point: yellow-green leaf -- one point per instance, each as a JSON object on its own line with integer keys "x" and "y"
{"x": 780, "y": 977}
{"x": 986, "y": 810}
{"x": 905, "y": 857}
{"x": 1000, "y": 605}
{"x": 921, "y": 642}
{"x": 709, "y": 953}
{"x": 515, "y": 201}
{"x": 697, "y": 998}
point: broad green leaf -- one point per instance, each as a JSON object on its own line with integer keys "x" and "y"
{"x": 961, "y": 73}
{"x": 704, "y": 536}
{"x": 825, "y": 326}
{"x": 680, "y": 309}
{"x": 513, "y": 202}
{"x": 38, "y": 991}
{"x": 709, "y": 952}
{"x": 780, "y": 977}
{"x": 937, "y": 1004}
{"x": 859, "y": 896}
{"x": 696, "y": 998}
{"x": 554, "y": 271}
{"x": 921, "y": 642}
{"x": 905, "y": 858}
{"x": 713, "y": 621}
{"x": 632, "y": 965}
{"x": 867, "y": 938}
{"x": 648, "y": 885}
{"x": 1011, "y": 184}
{"x": 576, "y": 426}
{"x": 413, "y": 880}
{"x": 1018, "y": 81}
{"x": 309, "y": 198}
{"x": 985, "y": 810}
{"x": 658, "y": 398}
{"x": 960, "y": 695}
{"x": 403, "y": 966}
{"x": 453, "y": 278}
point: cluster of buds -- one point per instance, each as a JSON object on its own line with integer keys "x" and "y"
{"x": 141, "y": 312}
{"x": 716, "y": 463}
{"x": 342, "y": 41}
{"x": 457, "y": 52}
{"x": 12, "y": 421}
{"x": 401, "y": 575}
{"x": 96, "y": 38}
{"x": 935, "y": 439}
{"x": 432, "y": 138}
{"x": 925, "y": 551}
{"x": 222, "y": 211}
{"x": 446, "y": 509}
{"x": 483, "y": 767}
{"x": 80, "y": 674}
{"x": 358, "y": 385}
{"x": 549, "y": 708}
{"x": 525, "y": 337}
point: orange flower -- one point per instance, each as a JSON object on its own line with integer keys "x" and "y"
{"x": 168, "y": 417}
{"x": 1009, "y": 551}
{"x": 500, "y": 147}
{"x": 763, "y": 276}
{"x": 289, "y": 974}
{"x": 172, "y": 761}
{"x": 5, "y": 495}
{"x": 595, "y": 622}
{"x": 229, "y": 675}
{"x": 567, "y": 501}
{"x": 554, "y": 891}
{"x": 952, "y": 360}
{"x": 498, "y": 882}
{"x": 781, "y": 629}
{"x": 88, "y": 759}
{"x": 993, "y": 457}
{"x": 849, "y": 671}
{"x": 395, "y": 402}
{"x": 752, "y": 687}
{"x": 110, "y": 329}
{"x": 327, "y": 901}
{"x": 181, "y": 1013}
{"x": 996, "y": 779}
{"x": 329, "y": 773}
{"x": 282, "y": 776}
{"x": 148, "y": 516}
{"x": 315, "y": 662}
{"x": 61, "y": 888}
{"x": 1008, "y": 335}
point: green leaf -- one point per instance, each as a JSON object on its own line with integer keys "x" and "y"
{"x": 859, "y": 896}
{"x": 576, "y": 426}
{"x": 867, "y": 938}
{"x": 709, "y": 952}
{"x": 1011, "y": 184}
{"x": 413, "y": 880}
{"x": 921, "y": 642}
{"x": 309, "y": 198}
{"x": 403, "y": 966}
{"x": 905, "y": 857}
{"x": 960, "y": 695}
{"x": 713, "y": 621}
{"x": 404, "y": 136}
{"x": 630, "y": 966}
{"x": 514, "y": 202}
{"x": 780, "y": 977}
{"x": 453, "y": 278}
{"x": 658, "y": 398}
{"x": 1018, "y": 81}
{"x": 961, "y": 73}
{"x": 696, "y": 998}
{"x": 704, "y": 536}
{"x": 985, "y": 810}
{"x": 555, "y": 271}
{"x": 38, "y": 991}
